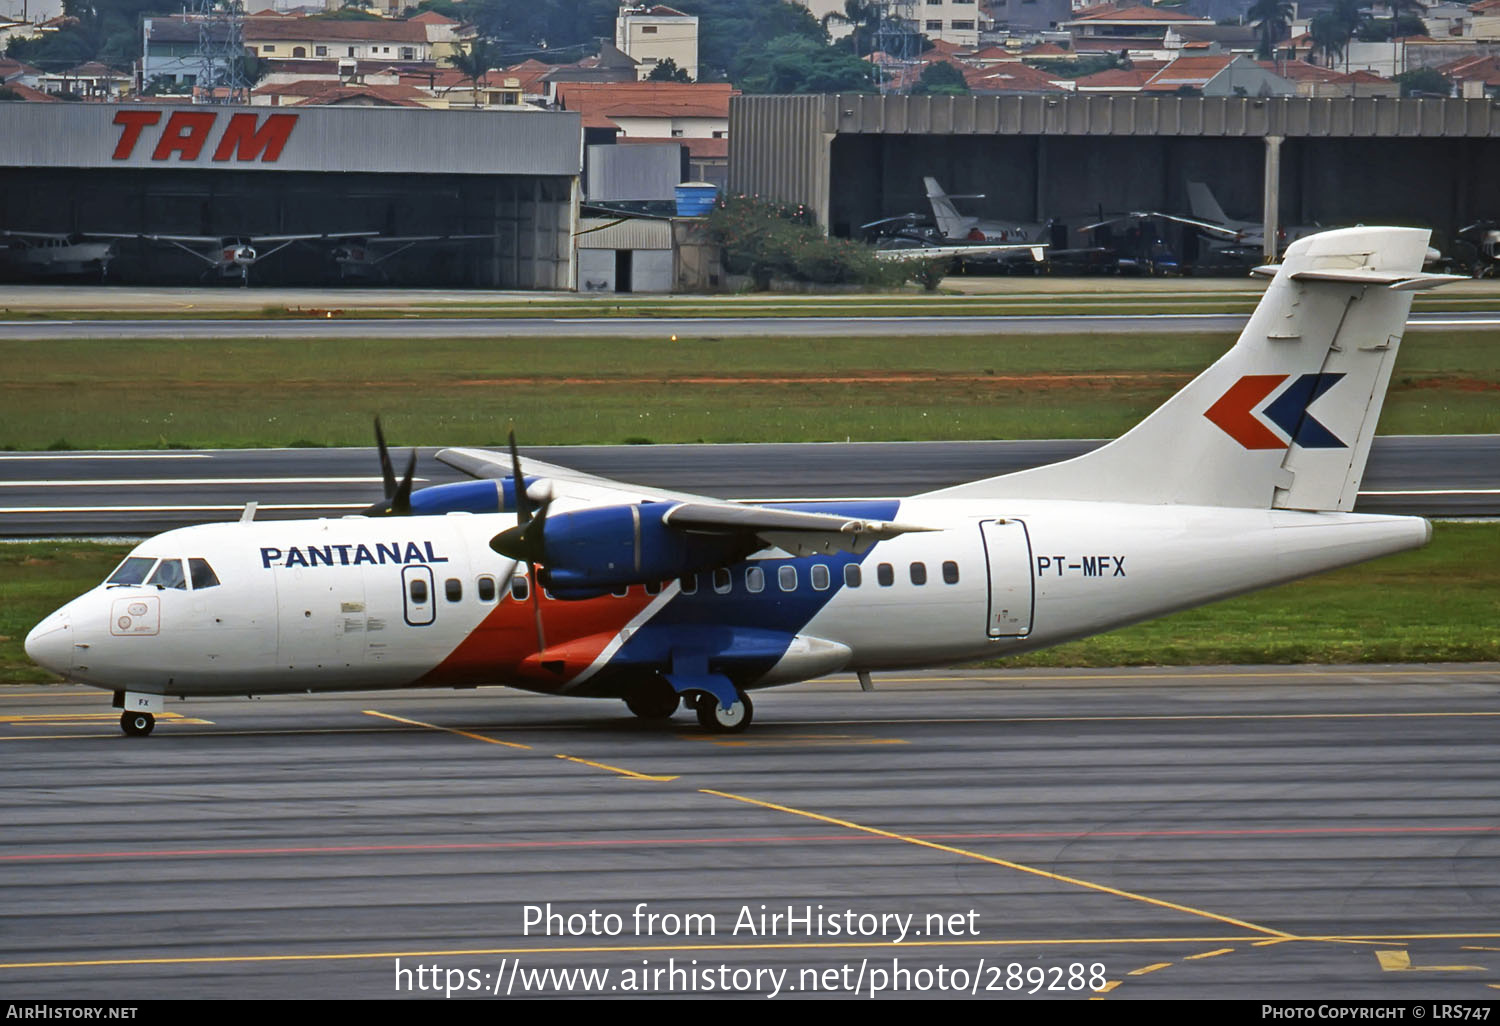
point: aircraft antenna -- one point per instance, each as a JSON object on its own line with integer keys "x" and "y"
{"x": 221, "y": 52}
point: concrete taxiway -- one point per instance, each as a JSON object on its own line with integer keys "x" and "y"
{"x": 1290, "y": 833}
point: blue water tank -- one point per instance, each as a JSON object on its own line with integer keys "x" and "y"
{"x": 696, "y": 199}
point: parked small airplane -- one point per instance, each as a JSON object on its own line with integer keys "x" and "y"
{"x": 542, "y": 578}
{"x": 232, "y": 256}
{"x": 1478, "y": 245}
{"x": 52, "y": 254}
{"x": 1229, "y": 238}
{"x": 361, "y": 256}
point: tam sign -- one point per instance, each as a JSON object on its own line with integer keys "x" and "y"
{"x": 243, "y": 137}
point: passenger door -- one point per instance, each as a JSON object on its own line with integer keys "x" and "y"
{"x": 1007, "y": 549}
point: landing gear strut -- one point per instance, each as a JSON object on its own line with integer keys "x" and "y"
{"x": 714, "y": 718}
{"x": 137, "y": 724}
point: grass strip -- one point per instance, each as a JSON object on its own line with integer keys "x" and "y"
{"x": 216, "y": 393}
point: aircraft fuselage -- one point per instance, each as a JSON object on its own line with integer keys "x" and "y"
{"x": 360, "y": 603}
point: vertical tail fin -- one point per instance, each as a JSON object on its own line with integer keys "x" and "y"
{"x": 1286, "y": 417}
{"x": 950, "y": 222}
{"x": 1204, "y": 206}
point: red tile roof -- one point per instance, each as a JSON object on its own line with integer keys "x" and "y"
{"x": 1188, "y": 71}
{"x": 1116, "y": 78}
{"x": 1011, "y": 78}
{"x": 1301, "y": 71}
{"x": 384, "y": 96}
{"x": 597, "y": 101}
{"x": 25, "y": 92}
{"x": 273, "y": 30}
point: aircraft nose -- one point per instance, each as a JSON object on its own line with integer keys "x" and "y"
{"x": 50, "y": 643}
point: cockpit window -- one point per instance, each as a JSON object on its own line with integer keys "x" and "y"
{"x": 133, "y": 570}
{"x": 168, "y": 575}
{"x": 203, "y": 575}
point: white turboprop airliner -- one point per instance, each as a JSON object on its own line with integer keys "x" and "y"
{"x": 589, "y": 587}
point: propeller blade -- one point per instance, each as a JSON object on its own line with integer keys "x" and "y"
{"x": 523, "y": 501}
{"x": 386, "y": 470}
{"x": 400, "y": 504}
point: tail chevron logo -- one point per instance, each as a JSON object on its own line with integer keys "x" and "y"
{"x": 1235, "y": 412}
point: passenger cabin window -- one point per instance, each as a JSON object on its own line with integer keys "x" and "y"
{"x": 689, "y": 584}
{"x": 722, "y": 581}
{"x": 169, "y": 575}
{"x": 653, "y": 587}
{"x": 453, "y": 588}
{"x": 787, "y": 577}
{"x": 819, "y": 577}
{"x": 853, "y": 578}
{"x": 755, "y": 579}
{"x": 622, "y": 591}
{"x": 950, "y": 572}
{"x": 485, "y": 587}
{"x": 133, "y": 571}
{"x": 885, "y": 575}
{"x": 520, "y": 589}
{"x": 202, "y": 574}
{"x": 919, "y": 573}
{"x": 418, "y": 590}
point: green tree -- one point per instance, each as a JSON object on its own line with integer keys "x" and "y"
{"x": 474, "y": 63}
{"x": 941, "y": 79}
{"x": 864, "y": 19}
{"x": 1274, "y": 18}
{"x": 1330, "y": 36}
{"x": 796, "y": 64}
{"x": 666, "y": 70}
{"x": 1424, "y": 82}
{"x": 727, "y": 28}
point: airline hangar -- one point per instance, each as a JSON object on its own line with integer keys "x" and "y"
{"x": 506, "y": 181}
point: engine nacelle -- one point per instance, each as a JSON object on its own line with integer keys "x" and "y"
{"x": 594, "y": 550}
{"x": 486, "y": 496}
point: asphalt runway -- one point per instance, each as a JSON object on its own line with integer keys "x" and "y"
{"x": 1282, "y": 833}
{"x": 415, "y": 326}
{"x": 133, "y": 494}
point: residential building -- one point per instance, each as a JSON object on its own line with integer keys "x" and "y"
{"x": 33, "y": 11}
{"x": 91, "y": 81}
{"x": 322, "y": 38}
{"x": 1486, "y": 24}
{"x": 951, "y": 21}
{"x": 696, "y": 115}
{"x": 1475, "y": 77}
{"x": 651, "y": 35}
{"x": 1133, "y": 29}
{"x": 1026, "y": 16}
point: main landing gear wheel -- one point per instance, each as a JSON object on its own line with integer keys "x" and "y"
{"x": 653, "y": 702}
{"x": 716, "y": 719}
{"x": 137, "y": 724}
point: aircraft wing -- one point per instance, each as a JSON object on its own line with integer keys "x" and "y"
{"x": 35, "y": 235}
{"x": 567, "y": 484}
{"x": 408, "y": 239}
{"x": 1207, "y": 226}
{"x": 255, "y": 239}
{"x": 796, "y": 531}
{"x": 1036, "y": 249}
